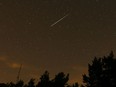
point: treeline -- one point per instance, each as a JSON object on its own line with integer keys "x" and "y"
{"x": 60, "y": 80}
{"x": 101, "y": 73}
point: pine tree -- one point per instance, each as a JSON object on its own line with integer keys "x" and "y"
{"x": 101, "y": 73}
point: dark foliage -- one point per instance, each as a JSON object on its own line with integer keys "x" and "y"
{"x": 75, "y": 85}
{"x": 60, "y": 80}
{"x": 31, "y": 83}
{"x": 101, "y": 73}
{"x": 44, "y": 80}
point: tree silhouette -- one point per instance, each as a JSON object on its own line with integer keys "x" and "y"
{"x": 11, "y": 84}
{"x": 4, "y": 85}
{"x": 31, "y": 83}
{"x": 44, "y": 80}
{"x": 60, "y": 80}
{"x": 109, "y": 70}
{"x": 75, "y": 85}
{"x": 20, "y": 83}
{"x": 101, "y": 73}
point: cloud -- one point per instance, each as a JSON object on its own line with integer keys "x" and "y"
{"x": 14, "y": 65}
{"x": 9, "y": 63}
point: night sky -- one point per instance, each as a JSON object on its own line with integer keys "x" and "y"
{"x": 54, "y": 35}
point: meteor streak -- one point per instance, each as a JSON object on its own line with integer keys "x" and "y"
{"x": 59, "y": 20}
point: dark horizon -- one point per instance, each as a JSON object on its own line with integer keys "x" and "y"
{"x": 101, "y": 72}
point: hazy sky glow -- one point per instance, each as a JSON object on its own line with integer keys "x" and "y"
{"x": 27, "y": 37}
